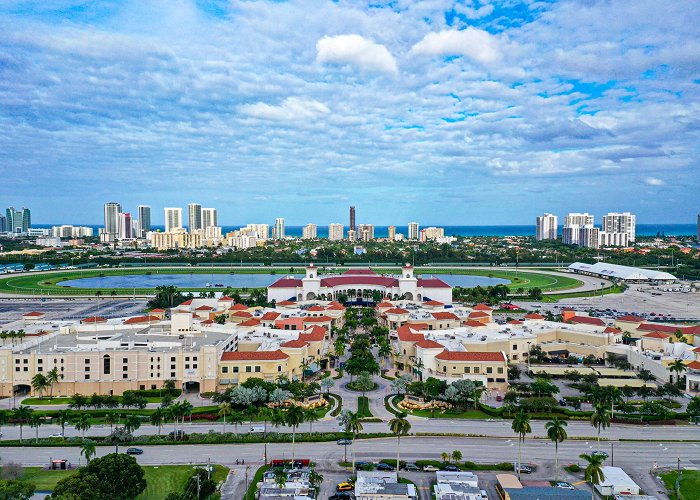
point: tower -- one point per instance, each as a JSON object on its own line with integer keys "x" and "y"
{"x": 144, "y": 220}
{"x": 173, "y": 219}
{"x": 209, "y": 218}
{"x": 413, "y": 231}
{"x": 111, "y": 213}
{"x": 352, "y": 218}
{"x": 546, "y": 227}
{"x": 195, "y": 216}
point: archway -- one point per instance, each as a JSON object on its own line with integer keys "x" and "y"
{"x": 21, "y": 389}
{"x": 408, "y": 296}
{"x": 310, "y": 296}
{"x": 190, "y": 386}
{"x": 299, "y": 297}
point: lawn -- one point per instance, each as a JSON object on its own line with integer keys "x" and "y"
{"x": 160, "y": 480}
{"x": 363, "y": 407}
{"x": 690, "y": 484}
{"x": 252, "y": 487}
{"x": 46, "y": 401}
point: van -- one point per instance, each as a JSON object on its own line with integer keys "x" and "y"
{"x": 257, "y": 428}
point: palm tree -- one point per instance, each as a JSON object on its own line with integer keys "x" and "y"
{"x": 311, "y": 416}
{"x": 521, "y": 426}
{"x": 456, "y": 456}
{"x": 4, "y": 418}
{"x": 112, "y": 418}
{"x": 600, "y": 419}
{"x": 445, "y": 456}
{"x": 63, "y": 418}
{"x": 277, "y": 418}
{"x": 266, "y": 414}
{"x": 224, "y": 411}
{"x": 39, "y": 383}
{"x": 293, "y": 418}
{"x": 399, "y": 426}
{"x": 594, "y": 470}
{"x": 678, "y": 367}
{"x": 88, "y": 449}
{"x": 556, "y": 431}
{"x": 132, "y": 423}
{"x": 22, "y": 416}
{"x": 36, "y": 421}
{"x": 83, "y": 424}
{"x": 52, "y": 377}
{"x": 281, "y": 476}
{"x": 354, "y": 425}
{"x": 157, "y": 418}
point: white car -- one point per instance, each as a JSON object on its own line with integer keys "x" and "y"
{"x": 430, "y": 468}
{"x": 484, "y": 495}
{"x": 56, "y": 435}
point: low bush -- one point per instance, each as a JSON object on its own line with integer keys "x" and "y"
{"x": 155, "y": 393}
{"x": 573, "y": 468}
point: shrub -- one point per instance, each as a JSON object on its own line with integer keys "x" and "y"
{"x": 572, "y": 468}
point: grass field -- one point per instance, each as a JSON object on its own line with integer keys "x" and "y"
{"x": 64, "y": 401}
{"x": 47, "y": 283}
{"x": 363, "y": 410}
{"x": 690, "y": 484}
{"x": 160, "y": 480}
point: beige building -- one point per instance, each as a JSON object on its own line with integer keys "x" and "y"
{"x": 176, "y": 239}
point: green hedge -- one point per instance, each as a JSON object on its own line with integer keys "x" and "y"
{"x": 253, "y": 487}
{"x": 155, "y": 393}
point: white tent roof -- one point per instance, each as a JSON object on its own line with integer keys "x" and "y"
{"x": 621, "y": 272}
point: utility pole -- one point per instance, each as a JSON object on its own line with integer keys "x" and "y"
{"x": 678, "y": 479}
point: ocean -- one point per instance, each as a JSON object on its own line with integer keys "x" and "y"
{"x": 516, "y": 230}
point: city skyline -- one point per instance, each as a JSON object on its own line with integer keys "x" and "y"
{"x": 487, "y": 107}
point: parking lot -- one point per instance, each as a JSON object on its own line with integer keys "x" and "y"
{"x": 11, "y": 310}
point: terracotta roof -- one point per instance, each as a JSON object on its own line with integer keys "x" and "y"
{"x": 360, "y": 279}
{"x": 534, "y": 316}
{"x": 314, "y": 334}
{"x": 318, "y": 319}
{"x": 587, "y": 320}
{"x": 694, "y": 365}
{"x": 208, "y": 322}
{"x": 362, "y": 272}
{"x": 242, "y": 314}
{"x": 270, "y": 316}
{"x": 33, "y": 314}
{"x": 444, "y": 315}
{"x": 250, "y": 322}
{"x": 294, "y": 344}
{"x": 204, "y": 308}
{"x": 396, "y": 310}
{"x": 482, "y": 307}
{"x": 254, "y": 356}
{"x": 187, "y": 303}
{"x": 631, "y": 318}
{"x": 478, "y": 314}
{"x": 470, "y": 356}
{"x": 429, "y": 344}
{"x": 473, "y": 323}
{"x": 612, "y": 329}
{"x": 385, "y": 304}
{"x": 697, "y": 349}
{"x": 94, "y": 319}
{"x": 316, "y": 308}
{"x": 432, "y": 283}
{"x": 656, "y": 327}
{"x": 239, "y": 307}
{"x": 225, "y": 298}
{"x": 157, "y": 310}
{"x": 286, "y": 283}
{"x": 657, "y": 335}
{"x": 335, "y": 306}
{"x": 434, "y": 303}
{"x": 141, "y": 319}
{"x": 515, "y": 322}
{"x": 285, "y": 303}
{"x": 406, "y": 334}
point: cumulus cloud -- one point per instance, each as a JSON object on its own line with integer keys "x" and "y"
{"x": 356, "y": 51}
{"x": 654, "y": 181}
{"x": 472, "y": 13}
{"x": 473, "y": 43}
{"x": 291, "y": 109}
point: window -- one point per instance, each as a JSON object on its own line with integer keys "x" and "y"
{"x": 476, "y": 369}
{"x": 235, "y": 369}
{"x": 40, "y": 369}
{"x": 40, "y": 361}
{"x": 467, "y": 369}
{"x": 279, "y": 368}
{"x": 224, "y": 369}
{"x": 153, "y": 387}
{"x": 187, "y": 366}
{"x": 151, "y": 359}
{"x": 172, "y": 360}
{"x": 490, "y": 379}
{"x": 106, "y": 364}
{"x": 444, "y": 369}
{"x": 26, "y": 368}
{"x": 125, "y": 375}
{"x": 194, "y": 358}
{"x": 87, "y": 376}
{"x": 489, "y": 369}
{"x": 515, "y": 347}
{"x": 87, "y": 368}
{"x": 125, "y": 368}
{"x": 16, "y": 361}
{"x": 194, "y": 366}
{"x": 500, "y": 369}
{"x": 257, "y": 369}
{"x": 172, "y": 374}
{"x": 515, "y": 356}
{"x": 172, "y": 367}
{"x": 16, "y": 368}
{"x": 87, "y": 361}
{"x": 61, "y": 360}
{"x": 248, "y": 369}
{"x": 125, "y": 360}
{"x": 142, "y": 387}
{"x": 26, "y": 361}
{"x": 187, "y": 358}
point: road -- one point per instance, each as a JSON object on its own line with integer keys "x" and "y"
{"x": 636, "y": 458}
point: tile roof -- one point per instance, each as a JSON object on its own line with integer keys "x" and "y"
{"x": 631, "y": 318}
{"x": 396, "y": 310}
{"x": 94, "y": 319}
{"x": 250, "y": 322}
{"x": 204, "y": 308}
{"x": 470, "y": 356}
{"x": 444, "y": 315}
{"x": 586, "y": 320}
{"x": 295, "y": 344}
{"x": 406, "y": 334}
{"x": 432, "y": 283}
{"x": 429, "y": 344}
{"x": 318, "y": 319}
{"x": 187, "y": 303}
{"x": 254, "y": 356}
{"x": 316, "y": 308}
{"x": 271, "y": 316}
{"x": 434, "y": 303}
{"x": 314, "y": 334}
{"x": 534, "y": 316}
{"x": 242, "y": 314}
{"x": 478, "y": 314}
{"x": 694, "y": 365}
{"x": 482, "y": 307}
{"x": 239, "y": 307}
{"x": 285, "y": 303}
{"x": 34, "y": 313}
{"x": 286, "y": 283}
{"x": 225, "y": 298}
{"x": 157, "y": 310}
{"x": 141, "y": 319}
{"x": 657, "y": 335}
{"x": 360, "y": 279}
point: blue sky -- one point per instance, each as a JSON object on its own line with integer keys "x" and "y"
{"x": 445, "y": 112}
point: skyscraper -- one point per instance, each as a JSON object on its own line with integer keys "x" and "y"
{"x": 195, "y": 216}
{"x": 365, "y": 232}
{"x": 144, "y": 220}
{"x": 573, "y": 224}
{"x": 209, "y": 218}
{"x": 698, "y": 228}
{"x": 278, "y": 230}
{"x": 392, "y": 233}
{"x": 413, "y": 231}
{"x": 18, "y": 221}
{"x": 335, "y": 232}
{"x": 352, "y": 218}
{"x": 3, "y": 223}
{"x": 125, "y": 226}
{"x": 577, "y": 219}
{"x": 546, "y": 227}
{"x": 309, "y": 232}
{"x": 621, "y": 223}
{"x": 173, "y": 219}
{"x": 112, "y": 210}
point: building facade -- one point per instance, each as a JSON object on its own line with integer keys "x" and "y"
{"x": 278, "y": 231}
{"x": 209, "y": 218}
{"x": 625, "y": 223}
{"x": 111, "y": 218}
{"x": 546, "y": 227}
{"x": 194, "y": 211}
{"x": 413, "y": 233}
{"x": 309, "y": 232}
{"x": 335, "y": 232}
{"x": 173, "y": 219}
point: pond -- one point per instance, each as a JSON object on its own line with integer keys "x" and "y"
{"x": 211, "y": 280}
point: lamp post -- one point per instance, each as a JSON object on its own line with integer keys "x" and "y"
{"x": 528, "y": 357}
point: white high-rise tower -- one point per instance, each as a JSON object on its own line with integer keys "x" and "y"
{"x": 209, "y": 218}
{"x": 111, "y": 212}
{"x": 546, "y": 227}
{"x": 195, "y": 216}
{"x": 173, "y": 219}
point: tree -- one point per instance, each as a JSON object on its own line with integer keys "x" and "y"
{"x": 293, "y": 418}
{"x": 120, "y": 435}
{"x": 400, "y": 427}
{"x": 364, "y": 382}
{"x": 200, "y": 482}
{"x": 157, "y": 418}
{"x": 16, "y": 489}
{"x": 39, "y": 383}
{"x": 600, "y": 419}
{"x": 78, "y": 401}
{"x": 22, "y": 415}
{"x": 88, "y": 450}
{"x": 327, "y": 384}
{"x": 63, "y": 417}
{"x": 114, "y": 476}
{"x": 521, "y": 426}
{"x": 556, "y": 431}
{"x": 311, "y": 416}
{"x": 224, "y": 411}
{"x": 36, "y": 421}
{"x": 693, "y": 408}
{"x": 593, "y": 473}
{"x": 112, "y": 418}
{"x": 52, "y": 377}
{"x": 678, "y": 367}
{"x": 445, "y": 456}
{"x": 456, "y": 456}
{"x": 400, "y": 384}
{"x": 280, "y": 476}
{"x": 82, "y": 424}
{"x": 351, "y": 423}
{"x": 513, "y": 373}
{"x": 132, "y": 423}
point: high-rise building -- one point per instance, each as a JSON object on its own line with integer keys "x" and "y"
{"x": 621, "y": 223}
{"x": 278, "y": 229}
{"x": 125, "y": 226}
{"x": 589, "y": 236}
{"x": 209, "y": 218}
{"x": 352, "y": 218}
{"x": 3, "y": 224}
{"x": 111, "y": 212}
{"x": 195, "y": 216}
{"x": 173, "y": 218}
{"x": 352, "y": 235}
{"x": 309, "y": 232}
{"x": 365, "y": 232}
{"x": 577, "y": 219}
{"x": 259, "y": 231}
{"x": 413, "y": 232}
{"x": 335, "y": 232}
{"x": 391, "y": 235}
{"x": 698, "y": 228}
{"x": 144, "y": 220}
{"x": 546, "y": 227}
{"x": 432, "y": 233}
{"x": 18, "y": 221}
{"x": 573, "y": 224}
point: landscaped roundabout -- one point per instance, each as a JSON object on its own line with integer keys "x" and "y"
{"x": 143, "y": 281}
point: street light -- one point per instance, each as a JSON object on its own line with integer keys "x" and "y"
{"x": 528, "y": 357}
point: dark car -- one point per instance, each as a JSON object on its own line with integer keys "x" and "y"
{"x": 342, "y": 495}
{"x": 384, "y": 467}
{"x": 363, "y": 465}
{"x": 134, "y": 451}
{"x": 524, "y": 469}
{"x": 411, "y": 467}
{"x": 451, "y": 468}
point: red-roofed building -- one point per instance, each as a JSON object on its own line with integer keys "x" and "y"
{"x": 295, "y": 323}
{"x": 237, "y": 367}
{"x": 429, "y": 344}
{"x": 482, "y": 307}
{"x": 295, "y": 344}
{"x": 534, "y": 316}
{"x": 33, "y": 317}
{"x": 137, "y": 320}
{"x": 472, "y": 323}
{"x": 487, "y": 368}
{"x": 93, "y": 320}
{"x": 655, "y": 341}
{"x": 249, "y": 323}
{"x": 268, "y": 319}
{"x": 586, "y": 320}
{"x": 316, "y": 308}
{"x": 239, "y": 307}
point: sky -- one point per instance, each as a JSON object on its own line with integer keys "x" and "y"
{"x": 471, "y": 112}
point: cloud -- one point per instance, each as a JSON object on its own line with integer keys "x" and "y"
{"x": 473, "y": 43}
{"x": 654, "y": 181}
{"x": 357, "y": 51}
{"x": 291, "y": 109}
{"x": 471, "y": 13}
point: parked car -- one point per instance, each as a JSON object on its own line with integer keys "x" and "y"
{"x": 384, "y": 467}
{"x": 54, "y": 435}
{"x": 134, "y": 451}
{"x": 411, "y": 467}
{"x": 524, "y": 469}
{"x": 362, "y": 465}
{"x": 344, "y": 487}
{"x": 430, "y": 468}
{"x": 484, "y": 495}
{"x": 344, "y": 441}
{"x": 564, "y": 485}
{"x": 257, "y": 428}
{"x": 451, "y": 468}
{"x": 342, "y": 495}
{"x": 600, "y": 453}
